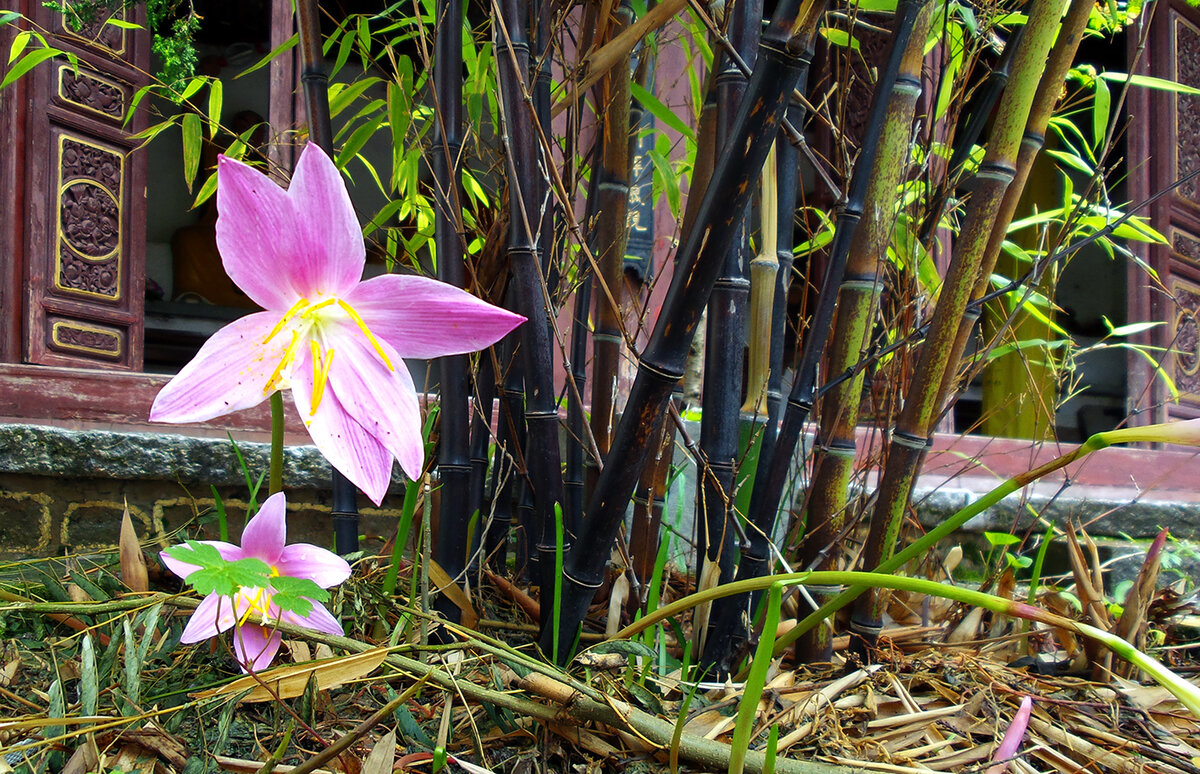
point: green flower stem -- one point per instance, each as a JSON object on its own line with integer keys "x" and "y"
{"x": 276, "y": 477}
{"x": 1187, "y": 693}
{"x": 755, "y": 682}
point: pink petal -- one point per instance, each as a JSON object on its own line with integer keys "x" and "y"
{"x": 318, "y": 618}
{"x": 255, "y": 647}
{"x": 382, "y": 400}
{"x": 301, "y": 560}
{"x": 344, "y": 442}
{"x": 264, "y": 535}
{"x": 1012, "y": 737}
{"x": 228, "y": 373}
{"x": 228, "y": 551}
{"x": 258, "y": 235}
{"x": 334, "y": 255}
{"x": 212, "y": 616}
{"x": 424, "y": 318}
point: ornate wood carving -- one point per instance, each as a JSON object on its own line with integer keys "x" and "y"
{"x": 95, "y": 31}
{"x": 1187, "y": 111}
{"x": 83, "y": 251}
{"x": 1185, "y": 338}
{"x": 90, "y": 92}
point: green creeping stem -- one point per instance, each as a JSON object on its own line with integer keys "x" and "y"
{"x": 1187, "y": 693}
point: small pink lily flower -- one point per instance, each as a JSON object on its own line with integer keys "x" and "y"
{"x": 299, "y": 254}
{"x": 263, "y": 538}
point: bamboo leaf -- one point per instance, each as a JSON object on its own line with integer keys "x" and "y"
{"x": 1132, "y": 329}
{"x": 133, "y": 672}
{"x": 122, "y": 24}
{"x": 18, "y": 45}
{"x": 192, "y": 141}
{"x": 290, "y": 681}
{"x": 8, "y": 17}
{"x": 340, "y": 96}
{"x": 661, "y": 111}
{"x": 840, "y": 38}
{"x": 1150, "y": 82}
{"x": 1101, "y": 110}
{"x": 284, "y": 46}
{"x": 215, "y": 99}
{"x": 27, "y": 63}
{"x": 206, "y": 191}
{"x": 89, "y": 678}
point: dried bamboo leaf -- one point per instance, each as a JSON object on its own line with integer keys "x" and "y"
{"x": 382, "y": 757}
{"x": 289, "y": 682}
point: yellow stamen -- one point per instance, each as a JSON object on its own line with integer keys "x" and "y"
{"x": 321, "y": 305}
{"x": 288, "y": 354}
{"x": 366, "y": 332}
{"x": 320, "y": 379}
{"x": 288, "y": 315}
{"x": 255, "y": 604}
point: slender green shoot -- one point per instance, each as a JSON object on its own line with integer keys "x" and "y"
{"x": 772, "y": 750}
{"x": 412, "y": 493}
{"x": 276, "y": 478}
{"x": 1038, "y": 562}
{"x": 756, "y": 681}
{"x": 222, "y": 517}
{"x": 680, "y": 722}
{"x": 558, "y": 573}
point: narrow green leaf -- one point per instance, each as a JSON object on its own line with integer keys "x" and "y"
{"x": 194, "y": 85}
{"x": 206, "y": 191}
{"x": 357, "y": 140}
{"x": 215, "y": 99}
{"x": 341, "y": 96}
{"x": 27, "y": 63}
{"x": 661, "y": 112}
{"x": 192, "y": 142}
{"x": 1101, "y": 110}
{"x": 89, "y": 678}
{"x": 18, "y": 45}
{"x": 284, "y": 46}
{"x": 8, "y": 17}
{"x": 122, "y": 24}
{"x": 1150, "y": 82}
{"x": 133, "y": 672}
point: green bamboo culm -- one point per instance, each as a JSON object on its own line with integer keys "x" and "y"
{"x": 857, "y": 301}
{"x": 909, "y": 439}
{"x": 275, "y": 479}
{"x": 780, "y": 63}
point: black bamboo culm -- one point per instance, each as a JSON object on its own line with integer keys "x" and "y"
{"x": 481, "y": 437}
{"x": 730, "y": 614}
{"x": 909, "y": 439}
{"x": 537, "y": 341}
{"x": 320, "y": 131}
{"x": 773, "y": 469}
{"x": 700, "y": 260}
{"x": 724, "y": 354}
{"x": 454, "y": 457}
{"x": 833, "y": 458}
{"x": 508, "y": 465}
{"x": 610, "y": 237}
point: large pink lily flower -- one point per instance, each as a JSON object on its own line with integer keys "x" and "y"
{"x": 263, "y": 538}
{"x": 337, "y": 342}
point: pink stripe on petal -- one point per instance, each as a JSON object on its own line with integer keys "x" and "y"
{"x": 255, "y": 647}
{"x": 301, "y": 560}
{"x": 264, "y": 535}
{"x": 344, "y": 442}
{"x": 318, "y": 618}
{"x": 383, "y": 401}
{"x": 228, "y": 551}
{"x": 228, "y": 373}
{"x": 212, "y": 616}
{"x": 424, "y": 318}
{"x": 332, "y": 260}
{"x": 257, "y": 234}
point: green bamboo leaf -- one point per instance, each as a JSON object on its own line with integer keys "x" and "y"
{"x": 364, "y": 40}
{"x": 194, "y": 85}
{"x": 8, "y": 17}
{"x": 57, "y": 709}
{"x": 341, "y": 95}
{"x": 344, "y": 49}
{"x": 1150, "y": 82}
{"x": 27, "y": 63}
{"x": 206, "y": 191}
{"x": 192, "y": 142}
{"x": 122, "y": 24}
{"x": 1101, "y": 110}
{"x": 89, "y": 678}
{"x": 133, "y": 672}
{"x": 661, "y": 111}
{"x": 1072, "y": 160}
{"x": 630, "y": 648}
{"x": 957, "y": 47}
{"x": 1132, "y": 329}
{"x": 216, "y": 96}
{"x": 284, "y": 46}
{"x": 357, "y": 140}
{"x": 146, "y": 623}
{"x": 18, "y": 45}
{"x": 386, "y": 213}
{"x": 840, "y": 38}
{"x": 670, "y": 181}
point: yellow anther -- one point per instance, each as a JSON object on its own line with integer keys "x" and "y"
{"x": 288, "y": 354}
{"x": 287, "y": 316}
{"x": 255, "y": 604}
{"x": 321, "y": 305}
{"x": 366, "y": 332}
{"x": 319, "y": 378}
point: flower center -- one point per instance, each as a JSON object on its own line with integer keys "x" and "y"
{"x": 305, "y": 318}
{"x": 256, "y": 599}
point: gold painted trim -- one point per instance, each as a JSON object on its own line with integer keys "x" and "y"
{"x": 94, "y": 41}
{"x": 62, "y": 71}
{"x": 59, "y": 325}
{"x": 60, "y": 240}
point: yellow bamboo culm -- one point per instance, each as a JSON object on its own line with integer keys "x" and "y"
{"x": 763, "y": 270}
